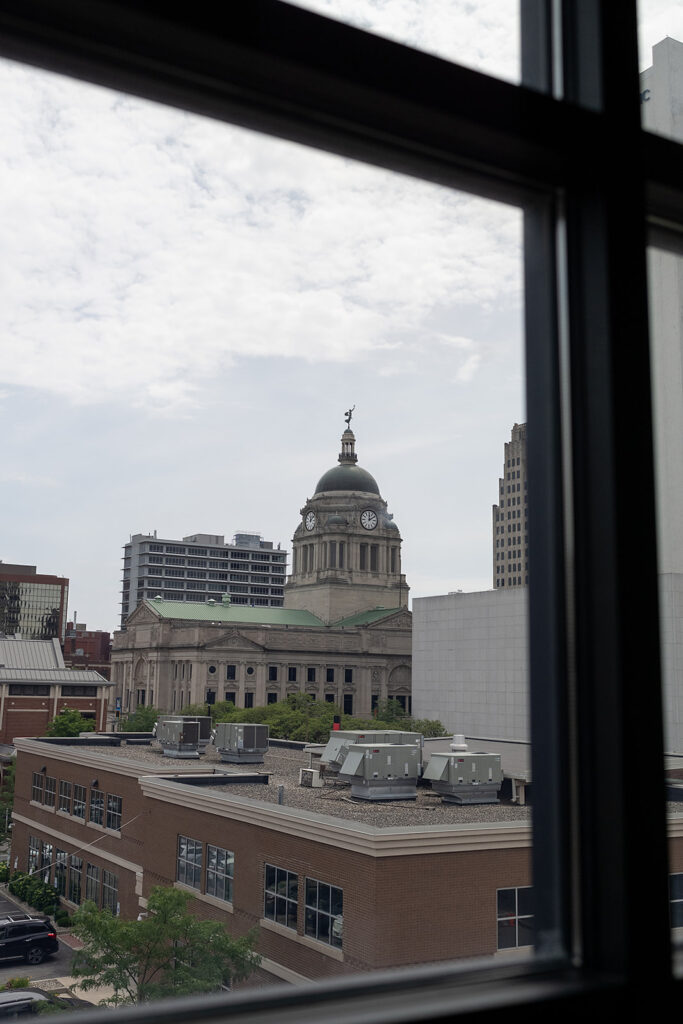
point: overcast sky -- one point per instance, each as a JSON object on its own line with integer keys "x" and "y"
{"x": 188, "y": 308}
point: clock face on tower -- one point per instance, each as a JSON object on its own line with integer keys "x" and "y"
{"x": 309, "y": 520}
{"x": 368, "y": 519}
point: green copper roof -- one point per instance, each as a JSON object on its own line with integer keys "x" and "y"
{"x": 347, "y": 478}
{"x": 363, "y": 618}
{"x": 202, "y": 612}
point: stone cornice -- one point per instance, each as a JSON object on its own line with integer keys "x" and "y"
{"x": 347, "y": 835}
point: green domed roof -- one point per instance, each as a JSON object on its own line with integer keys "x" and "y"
{"x": 347, "y": 478}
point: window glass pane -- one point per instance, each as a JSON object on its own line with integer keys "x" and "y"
{"x": 660, "y": 41}
{"x": 289, "y": 272}
{"x": 483, "y": 36}
{"x": 666, "y": 340}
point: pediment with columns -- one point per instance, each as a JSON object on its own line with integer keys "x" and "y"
{"x": 233, "y": 640}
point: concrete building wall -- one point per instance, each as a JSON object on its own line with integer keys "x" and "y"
{"x": 470, "y": 662}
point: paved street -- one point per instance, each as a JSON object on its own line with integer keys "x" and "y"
{"x": 56, "y": 966}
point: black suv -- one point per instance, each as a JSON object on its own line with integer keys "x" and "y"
{"x": 31, "y": 938}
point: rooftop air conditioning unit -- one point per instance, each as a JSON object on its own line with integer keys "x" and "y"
{"x": 241, "y": 742}
{"x": 310, "y": 777}
{"x": 178, "y": 737}
{"x": 332, "y": 757}
{"x": 465, "y": 777}
{"x": 382, "y": 771}
{"x": 204, "y": 725}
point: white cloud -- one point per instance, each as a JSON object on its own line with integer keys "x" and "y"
{"x": 146, "y": 250}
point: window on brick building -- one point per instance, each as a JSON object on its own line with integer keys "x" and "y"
{"x": 676, "y": 899}
{"x": 33, "y": 854}
{"x": 114, "y": 810}
{"x": 37, "y": 781}
{"x": 64, "y": 797}
{"x": 75, "y": 878}
{"x": 79, "y": 802}
{"x": 61, "y": 871}
{"x": 50, "y": 791}
{"x": 189, "y": 865}
{"x": 220, "y": 871}
{"x": 97, "y": 806}
{"x": 281, "y": 896}
{"x": 515, "y": 917}
{"x": 110, "y": 891}
{"x": 324, "y": 913}
{"x": 92, "y": 883}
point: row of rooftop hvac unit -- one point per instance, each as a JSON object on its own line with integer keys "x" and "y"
{"x": 386, "y": 765}
{"x": 235, "y": 742}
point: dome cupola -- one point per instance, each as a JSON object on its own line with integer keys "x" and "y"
{"x": 347, "y": 476}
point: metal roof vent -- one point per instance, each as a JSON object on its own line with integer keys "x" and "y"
{"x": 458, "y": 742}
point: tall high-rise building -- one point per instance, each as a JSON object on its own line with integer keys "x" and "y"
{"x": 32, "y": 605}
{"x": 202, "y": 566}
{"x": 510, "y": 516}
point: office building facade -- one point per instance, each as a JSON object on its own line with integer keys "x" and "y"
{"x": 202, "y": 566}
{"x": 510, "y": 519}
{"x": 32, "y": 605}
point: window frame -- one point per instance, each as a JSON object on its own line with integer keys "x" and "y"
{"x": 313, "y": 909}
{"x": 189, "y": 865}
{"x": 273, "y": 894}
{"x": 599, "y": 832}
{"x": 220, "y": 879}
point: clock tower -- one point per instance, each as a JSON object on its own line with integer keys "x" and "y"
{"x": 346, "y": 556}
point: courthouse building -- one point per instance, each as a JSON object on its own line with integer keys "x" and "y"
{"x": 343, "y": 635}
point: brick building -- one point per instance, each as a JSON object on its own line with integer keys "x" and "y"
{"x": 333, "y": 886}
{"x": 35, "y": 686}
{"x": 87, "y": 648}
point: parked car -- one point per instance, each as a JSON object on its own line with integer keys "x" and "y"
{"x": 20, "y": 1001}
{"x": 28, "y": 936}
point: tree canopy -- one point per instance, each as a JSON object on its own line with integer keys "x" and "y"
{"x": 168, "y": 953}
{"x": 140, "y": 720}
{"x": 300, "y": 717}
{"x": 69, "y": 722}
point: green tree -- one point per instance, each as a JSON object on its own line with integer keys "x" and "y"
{"x": 392, "y": 711}
{"x": 69, "y": 722}
{"x": 140, "y": 720}
{"x": 7, "y": 800}
{"x": 169, "y": 953}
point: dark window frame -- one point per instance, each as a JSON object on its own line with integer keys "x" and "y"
{"x": 578, "y": 159}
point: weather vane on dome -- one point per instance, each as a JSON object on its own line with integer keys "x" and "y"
{"x": 347, "y": 416}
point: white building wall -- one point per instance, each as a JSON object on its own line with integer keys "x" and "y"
{"x": 470, "y": 662}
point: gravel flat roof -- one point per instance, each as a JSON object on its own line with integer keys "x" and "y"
{"x": 282, "y": 765}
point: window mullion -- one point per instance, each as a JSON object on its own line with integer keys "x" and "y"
{"x": 622, "y": 814}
